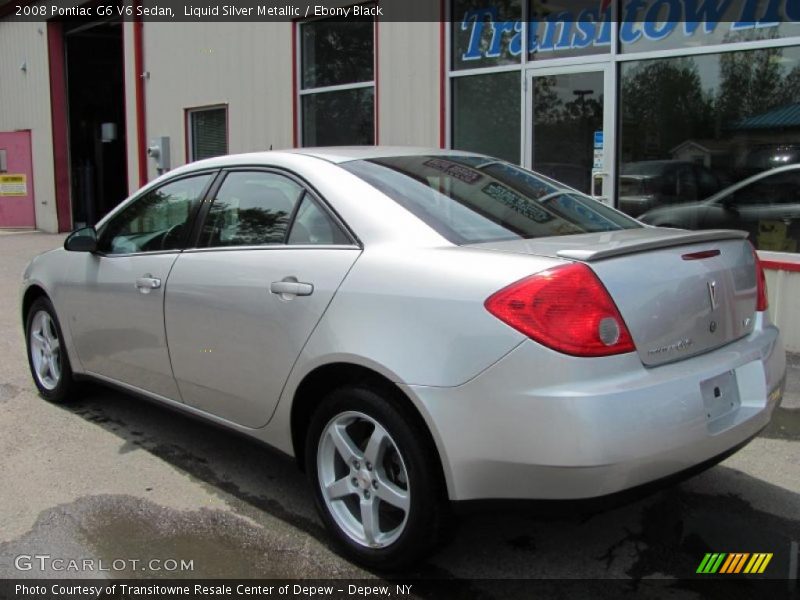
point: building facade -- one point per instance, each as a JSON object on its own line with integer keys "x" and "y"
{"x": 662, "y": 108}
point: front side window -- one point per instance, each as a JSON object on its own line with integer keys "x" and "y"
{"x": 157, "y": 221}
{"x": 251, "y": 209}
{"x": 337, "y": 82}
{"x": 472, "y": 199}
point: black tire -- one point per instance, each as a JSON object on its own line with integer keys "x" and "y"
{"x": 64, "y": 387}
{"x": 426, "y": 517}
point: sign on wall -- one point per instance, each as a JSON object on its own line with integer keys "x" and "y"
{"x": 13, "y": 185}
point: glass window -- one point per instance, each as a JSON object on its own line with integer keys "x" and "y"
{"x": 661, "y": 24}
{"x": 340, "y": 118}
{"x": 561, "y": 28}
{"x": 251, "y": 209}
{"x": 486, "y": 33}
{"x": 567, "y": 116}
{"x": 693, "y": 127}
{"x": 470, "y": 200}
{"x": 486, "y": 114}
{"x": 337, "y": 79}
{"x": 336, "y": 52}
{"x": 313, "y": 226}
{"x": 159, "y": 220}
{"x": 208, "y": 133}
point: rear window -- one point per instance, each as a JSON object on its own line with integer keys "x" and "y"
{"x": 472, "y": 199}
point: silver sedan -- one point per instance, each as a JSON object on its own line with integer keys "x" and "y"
{"x": 416, "y": 328}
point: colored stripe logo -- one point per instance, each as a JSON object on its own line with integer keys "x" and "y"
{"x": 734, "y": 562}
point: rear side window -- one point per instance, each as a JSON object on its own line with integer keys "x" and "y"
{"x": 470, "y": 199}
{"x": 313, "y": 226}
{"x": 251, "y": 209}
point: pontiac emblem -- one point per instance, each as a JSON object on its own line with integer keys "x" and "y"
{"x": 712, "y": 294}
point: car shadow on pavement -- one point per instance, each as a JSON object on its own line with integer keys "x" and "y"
{"x": 665, "y": 534}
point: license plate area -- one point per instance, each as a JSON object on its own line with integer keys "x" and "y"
{"x": 720, "y": 395}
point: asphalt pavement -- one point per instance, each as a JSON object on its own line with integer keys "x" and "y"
{"x": 114, "y": 478}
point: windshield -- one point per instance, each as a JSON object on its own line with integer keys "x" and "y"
{"x": 473, "y": 199}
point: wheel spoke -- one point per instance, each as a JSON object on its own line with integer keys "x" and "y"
{"x": 54, "y": 345}
{"x": 392, "y": 494}
{"x": 339, "y": 489}
{"x": 344, "y": 445}
{"x": 377, "y": 442}
{"x": 43, "y": 367}
{"x": 55, "y": 368}
{"x": 47, "y": 330}
{"x": 370, "y": 520}
{"x": 37, "y": 335}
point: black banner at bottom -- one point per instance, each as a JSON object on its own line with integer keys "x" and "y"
{"x": 406, "y": 589}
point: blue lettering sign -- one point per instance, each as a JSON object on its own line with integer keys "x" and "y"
{"x": 652, "y": 19}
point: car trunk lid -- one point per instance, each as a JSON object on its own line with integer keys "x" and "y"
{"x": 681, "y": 293}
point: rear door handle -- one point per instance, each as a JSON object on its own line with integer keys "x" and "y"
{"x": 291, "y": 288}
{"x": 148, "y": 283}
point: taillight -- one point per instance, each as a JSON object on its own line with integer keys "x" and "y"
{"x": 762, "y": 302}
{"x": 566, "y": 308}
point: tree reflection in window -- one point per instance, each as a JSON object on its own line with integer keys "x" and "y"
{"x": 251, "y": 209}
{"x": 156, "y": 221}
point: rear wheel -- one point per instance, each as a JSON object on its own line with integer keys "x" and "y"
{"x": 376, "y": 485}
{"x": 47, "y": 356}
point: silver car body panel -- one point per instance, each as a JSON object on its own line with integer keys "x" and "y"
{"x": 232, "y": 342}
{"x": 510, "y": 417}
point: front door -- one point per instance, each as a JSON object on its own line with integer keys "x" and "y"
{"x": 569, "y": 123}
{"x": 116, "y": 300}
{"x": 16, "y": 180}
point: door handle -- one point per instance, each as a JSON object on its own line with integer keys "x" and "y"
{"x": 148, "y": 283}
{"x": 291, "y": 288}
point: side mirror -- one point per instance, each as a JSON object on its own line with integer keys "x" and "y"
{"x": 81, "y": 240}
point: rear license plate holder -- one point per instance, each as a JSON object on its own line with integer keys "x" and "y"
{"x": 720, "y": 395}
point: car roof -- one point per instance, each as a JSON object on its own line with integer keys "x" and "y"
{"x": 745, "y": 182}
{"x": 333, "y": 154}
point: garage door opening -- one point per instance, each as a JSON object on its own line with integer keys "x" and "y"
{"x": 96, "y": 119}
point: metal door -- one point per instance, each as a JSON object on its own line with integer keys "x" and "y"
{"x": 16, "y": 180}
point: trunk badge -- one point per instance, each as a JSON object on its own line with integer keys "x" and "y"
{"x": 712, "y": 294}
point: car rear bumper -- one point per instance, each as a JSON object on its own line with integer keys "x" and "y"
{"x": 542, "y": 425}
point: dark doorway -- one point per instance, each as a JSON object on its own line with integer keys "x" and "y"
{"x": 96, "y": 114}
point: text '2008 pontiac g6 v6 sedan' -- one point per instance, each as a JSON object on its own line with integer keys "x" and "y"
{"x": 416, "y": 327}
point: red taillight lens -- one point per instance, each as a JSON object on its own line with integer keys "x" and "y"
{"x": 762, "y": 302}
{"x": 565, "y": 308}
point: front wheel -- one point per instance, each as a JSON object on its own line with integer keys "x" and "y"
{"x": 376, "y": 484}
{"x": 47, "y": 356}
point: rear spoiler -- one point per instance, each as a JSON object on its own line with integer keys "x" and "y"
{"x": 678, "y": 237}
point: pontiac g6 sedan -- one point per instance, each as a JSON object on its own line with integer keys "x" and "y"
{"x": 416, "y": 327}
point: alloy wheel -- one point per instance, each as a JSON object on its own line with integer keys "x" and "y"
{"x": 363, "y": 479}
{"x": 45, "y": 349}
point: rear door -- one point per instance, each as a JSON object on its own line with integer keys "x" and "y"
{"x": 241, "y": 305}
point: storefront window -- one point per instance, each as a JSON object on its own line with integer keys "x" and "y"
{"x": 700, "y": 137}
{"x": 486, "y": 114}
{"x": 562, "y": 28}
{"x": 337, "y": 78}
{"x": 486, "y": 33}
{"x": 662, "y": 25}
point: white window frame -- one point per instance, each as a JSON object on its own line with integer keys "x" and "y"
{"x": 299, "y": 92}
{"x": 190, "y": 130}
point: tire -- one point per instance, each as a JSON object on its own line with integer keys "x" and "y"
{"x": 403, "y": 493}
{"x": 47, "y": 355}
